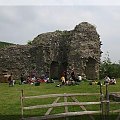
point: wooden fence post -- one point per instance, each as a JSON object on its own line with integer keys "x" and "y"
{"x": 21, "y": 98}
{"x": 66, "y": 107}
{"x": 101, "y": 100}
{"x": 107, "y": 103}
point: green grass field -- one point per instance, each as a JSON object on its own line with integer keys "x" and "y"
{"x": 10, "y": 97}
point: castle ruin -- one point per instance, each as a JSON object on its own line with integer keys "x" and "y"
{"x": 55, "y": 52}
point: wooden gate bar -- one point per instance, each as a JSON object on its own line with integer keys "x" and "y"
{"x": 61, "y": 95}
{"x": 83, "y": 108}
{"x": 61, "y": 115}
{"x": 50, "y": 109}
{"x": 61, "y": 104}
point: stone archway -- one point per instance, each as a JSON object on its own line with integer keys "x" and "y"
{"x": 90, "y": 69}
{"x": 58, "y": 69}
{"x": 54, "y": 70}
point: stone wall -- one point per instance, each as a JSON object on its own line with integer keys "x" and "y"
{"x": 14, "y": 59}
{"x": 55, "y": 52}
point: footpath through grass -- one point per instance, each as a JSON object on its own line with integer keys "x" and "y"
{"x": 10, "y": 97}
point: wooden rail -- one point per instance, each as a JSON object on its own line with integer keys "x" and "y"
{"x": 61, "y": 115}
{"x": 60, "y": 95}
{"x": 61, "y": 104}
{"x": 104, "y": 105}
{"x": 64, "y": 104}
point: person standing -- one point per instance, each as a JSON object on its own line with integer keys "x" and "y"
{"x": 10, "y": 80}
{"x": 21, "y": 79}
{"x": 73, "y": 76}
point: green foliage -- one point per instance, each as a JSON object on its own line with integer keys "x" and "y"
{"x": 107, "y": 68}
{"x": 29, "y": 42}
{"x": 65, "y": 34}
{"x": 58, "y": 31}
{"x": 4, "y": 44}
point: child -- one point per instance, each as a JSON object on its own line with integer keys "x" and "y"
{"x": 63, "y": 80}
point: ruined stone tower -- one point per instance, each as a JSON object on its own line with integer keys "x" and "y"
{"x": 55, "y": 52}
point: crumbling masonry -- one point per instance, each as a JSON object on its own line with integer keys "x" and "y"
{"x": 55, "y": 52}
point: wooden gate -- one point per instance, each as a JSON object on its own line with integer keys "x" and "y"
{"x": 103, "y": 111}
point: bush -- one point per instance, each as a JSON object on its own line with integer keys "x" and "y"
{"x": 107, "y": 68}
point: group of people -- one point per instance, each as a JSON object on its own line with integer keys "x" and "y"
{"x": 72, "y": 80}
{"x": 109, "y": 81}
{"x": 32, "y": 79}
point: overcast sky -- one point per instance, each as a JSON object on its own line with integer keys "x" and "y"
{"x": 19, "y": 24}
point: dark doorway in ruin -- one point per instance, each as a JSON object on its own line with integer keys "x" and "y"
{"x": 63, "y": 69}
{"x": 54, "y": 70}
{"x": 90, "y": 69}
{"x": 57, "y": 70}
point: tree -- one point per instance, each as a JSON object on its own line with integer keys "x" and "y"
{"x": 107, "y": 68}
{"x": 29, "y": 42}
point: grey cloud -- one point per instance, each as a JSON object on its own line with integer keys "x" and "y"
{"x": 59, "y": 2}
{"x": 19, "y": 24}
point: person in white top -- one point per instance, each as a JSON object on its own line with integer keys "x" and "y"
{"x": 79, "y": 78}
{"x": 112, "y": 81}
{"x": 107, "y": 80}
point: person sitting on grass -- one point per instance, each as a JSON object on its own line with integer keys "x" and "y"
{"x": 10, "y": 80}
{"x": 93, "y": 82}
{"x": 107, "y": 80}
{"x": 112, "y": 81}
{"x": 63, "y": 80}
{"x": 79, "y": 78}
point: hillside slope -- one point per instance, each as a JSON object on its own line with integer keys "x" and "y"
{"x": 4, "y": 44}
